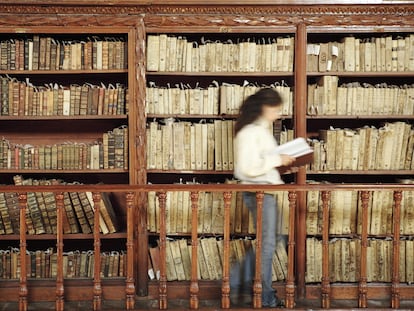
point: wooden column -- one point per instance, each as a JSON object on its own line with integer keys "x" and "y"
{"x": 129, "y": 282}
{"x": 299, "y": 111}
{"x": 23, "y": 245}
{"x": 225, "y": 289}
{"x": 138, "y": 147}
{"x": 162, "y": 198}
{"x": 97, "y": 286}
{"x": 395, "y": 288}
{"x": 257, "y": 284}
{"x": 194, "y": 289}
{"x": 362, "y": 300}
{"x": 59, "y": 252}
{"x": 290, "y": 280}
{"x": 325, "y": 286}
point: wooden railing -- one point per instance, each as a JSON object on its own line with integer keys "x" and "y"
{"x": 131, "y": 192}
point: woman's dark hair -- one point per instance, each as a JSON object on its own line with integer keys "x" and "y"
{"x": 252, "y": 107}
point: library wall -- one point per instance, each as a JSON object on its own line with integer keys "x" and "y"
{"x": 161, "y": 109}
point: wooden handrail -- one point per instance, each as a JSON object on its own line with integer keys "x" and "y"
{"x": 204, "y": 187}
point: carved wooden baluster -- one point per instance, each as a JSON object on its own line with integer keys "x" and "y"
{"x": 23, "y": 272}
{"x": 162, "y": 198}
{"x": 59, "y": 252}
{"x": 325, "y": 286}
{"x": 395, "y": 289}
{"x": 363, "y": 289}
{"x": 194, "y": 289}
{"x": 257, "y": 284}
{"x": 290, "y": 280}
{"x": 97, "y": 286}
{"x": 129, "y": 282}
{"x": 225, "y": 289}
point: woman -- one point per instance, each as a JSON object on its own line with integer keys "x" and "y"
{"x": 255, "y": 163}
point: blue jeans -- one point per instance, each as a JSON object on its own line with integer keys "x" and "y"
{"x": 242, "y": 274}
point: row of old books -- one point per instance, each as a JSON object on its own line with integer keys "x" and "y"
{"x": 389, "y": 147}
{"x": 110, "y": 152}
{"x": 385, "y": 53}
{"x": 41, "y": 210}
{"x": 345, "y": 213}
{"x": 327, "y": 97}
{"x": 345, "y": 258}
{"x": 47, "y": 53}
{"x": 210, "y": 213}
{"x": 213, "y": 100}
{"x": 76, "y": 264}
{"x": 22, "y": 98}
{"x": 177, "y": 145}
{"x": 171, "y": 53}
{"x": 209, "y": 259}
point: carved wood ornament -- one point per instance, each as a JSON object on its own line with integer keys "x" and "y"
{"x": 192, "y": 15}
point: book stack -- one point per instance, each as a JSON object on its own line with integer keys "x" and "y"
{"x": 22, "y": 98}
{"x": 76, "y": 264}
{"x": 210, "y": 212}
{"x": 171, "y": 53}
{"x": 213, "y": 100}
{"x": 209, "y": 259}
{"x": 345, "y": 213}
{"x": 41, "y": 217}
{"x": 368, "y": 148}
{"x": 190, "y": 146}
{"x": 46, "y": 53}
{"x": 345, "y": 256}
{"x": 327, "y": 97}
{"x": 385, "y": 53}
{"x": 110, "y": 152}
{"x": 344, "y": 260}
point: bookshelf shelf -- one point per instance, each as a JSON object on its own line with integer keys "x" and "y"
{"x": 28, "y": 171}
{"x": 207, "y": 172}
{"x": 367, "y": 172}
{"x": 361, "y": 117}
{"x": 63, "y": 118}
{"x": 357, "y": 74}
{"x": 63, "y": 72}
{"x": 73, "y": 236}
{"x": 198, "y": 116}
{"x": 220, "y": 74}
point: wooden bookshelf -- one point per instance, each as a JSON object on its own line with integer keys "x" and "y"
{"x": 135, "y": 20}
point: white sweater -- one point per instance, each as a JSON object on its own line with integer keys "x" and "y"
{"x": 253, "y": 158}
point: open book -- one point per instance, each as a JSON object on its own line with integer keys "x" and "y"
{"x": 297, "y": 148}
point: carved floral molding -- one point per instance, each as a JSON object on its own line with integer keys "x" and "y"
{"x": 169, "y": 15}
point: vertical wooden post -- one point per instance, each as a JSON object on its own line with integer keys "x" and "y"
{"x": 97, "y": 287}
{"x": 129, "y": 282}
{"x": 23, "y": 245}
{"x": 395, "y": 289}
{"x": 325, "y": 286}
{"x": 225, "y": 289}
{"x": 137, "y": 147}
{"x": 59, "y": 252}
{"x": 290, "y": 280}
{"x": 162, "y": 198}
{"x": 362, "y": 301}
{"x": 300, "y": 97}
{"x": 257, "y": 284}
{"x": 194, "y": 289}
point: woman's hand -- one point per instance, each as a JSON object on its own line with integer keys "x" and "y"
{"x": 287, "y": 160}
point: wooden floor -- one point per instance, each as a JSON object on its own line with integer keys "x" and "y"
{"x": 150, "y": 304}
